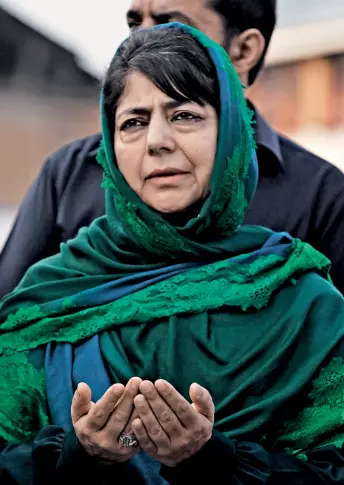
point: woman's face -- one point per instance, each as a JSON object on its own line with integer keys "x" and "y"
{"x": 164, "y": 149}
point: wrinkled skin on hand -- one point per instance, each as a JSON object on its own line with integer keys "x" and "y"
{"x": 169, "y": 428}
{"x": 99, "y": 425}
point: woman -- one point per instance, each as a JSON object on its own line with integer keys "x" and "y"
{"x": 170, "y": 288}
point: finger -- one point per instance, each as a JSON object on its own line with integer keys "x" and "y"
{"x": 179, "y": 405}
{"x": 125, "y": 406}
{"x": 162, "y": 411}
{"x": 81, "y": 403}
{"x": 103, "y": 408}
{"x": 129, "y": 427}
{"x": 152, "y": 426}
{"x": 203, "y": 402}
{"x": 142, "y": 437}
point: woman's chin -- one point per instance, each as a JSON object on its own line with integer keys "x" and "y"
{"x": 170, "y": 209}
{"x": 171, "y": 206}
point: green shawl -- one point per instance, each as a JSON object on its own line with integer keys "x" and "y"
{"x": 176, "y": 328}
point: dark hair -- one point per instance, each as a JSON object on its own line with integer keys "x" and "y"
{"x": 173, "y": 60}
{"x": 241, "y": 15}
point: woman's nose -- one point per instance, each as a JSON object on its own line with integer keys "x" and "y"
{"x": 159, "y": 139}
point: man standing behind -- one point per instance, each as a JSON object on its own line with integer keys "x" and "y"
{"x": 297, "y": 192}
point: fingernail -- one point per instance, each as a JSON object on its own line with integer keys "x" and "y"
{"x": 135, "y": 382}
{"x": 140, "y": 401}
{"x": 116, "y": 390}
{"x": 145, "y": 387}
{"x": 136, "y": 423}
{"x": 198, "y": 389}
{"x": 161, "y": 384}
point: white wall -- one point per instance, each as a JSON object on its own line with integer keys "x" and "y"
{"x": 6, "y": 220}
{"x": 326, "y": 144}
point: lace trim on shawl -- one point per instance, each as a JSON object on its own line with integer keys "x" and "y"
{"x": 24, "y": 406}
{"x": 225, "y": 283}
{"x": 321, "y": 423}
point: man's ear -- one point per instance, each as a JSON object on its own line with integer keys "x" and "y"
{"x": 246, "y": 50}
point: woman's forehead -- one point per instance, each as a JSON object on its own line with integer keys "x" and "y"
{"x": 141, "y": 93}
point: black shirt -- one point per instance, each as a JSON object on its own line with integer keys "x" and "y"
{"x": 297, "y": 192}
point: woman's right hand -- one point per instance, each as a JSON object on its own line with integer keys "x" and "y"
{"x": 99, "y": 425}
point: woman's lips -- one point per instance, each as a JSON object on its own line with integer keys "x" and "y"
{"x": 168, "y": 176}
{"x": 168, "y": 179}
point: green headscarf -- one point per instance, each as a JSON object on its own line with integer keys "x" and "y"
{"x": 131, "y": 239}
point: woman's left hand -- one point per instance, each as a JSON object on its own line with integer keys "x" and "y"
{"x": 169, "y": 428}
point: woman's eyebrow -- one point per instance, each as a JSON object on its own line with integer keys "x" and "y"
{"x": 140, "y": 110}
{"x": 135, "y": 110}
{"x": 175, "y": 104}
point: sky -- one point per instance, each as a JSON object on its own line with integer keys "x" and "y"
{"x": 93, "y": 29}
{"x": 298, "y": 12}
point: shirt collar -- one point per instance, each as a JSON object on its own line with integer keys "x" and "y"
{"x": 266, "y": 137}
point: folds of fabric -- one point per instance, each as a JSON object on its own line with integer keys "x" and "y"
{"x": 213, "y": 301}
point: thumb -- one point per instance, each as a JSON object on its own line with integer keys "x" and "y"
{"x": 81, "y": 403}
{"x": 202, "y": 401}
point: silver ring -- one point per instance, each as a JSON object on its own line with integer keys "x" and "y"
{"x": 128, "y": 440}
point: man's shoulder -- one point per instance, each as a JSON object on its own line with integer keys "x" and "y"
{"x": 75, "y": 161}
{"x": 75, "y": 154}
{"x": 298, "y": 158}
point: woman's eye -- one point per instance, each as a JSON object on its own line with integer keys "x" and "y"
{"x": 184, "y": 116}
{"x": 129, "y": 124}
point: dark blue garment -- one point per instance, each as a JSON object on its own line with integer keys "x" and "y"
{"x": 108, "y": 292}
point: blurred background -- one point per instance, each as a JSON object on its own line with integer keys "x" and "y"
{"x": 53, "y": 54}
